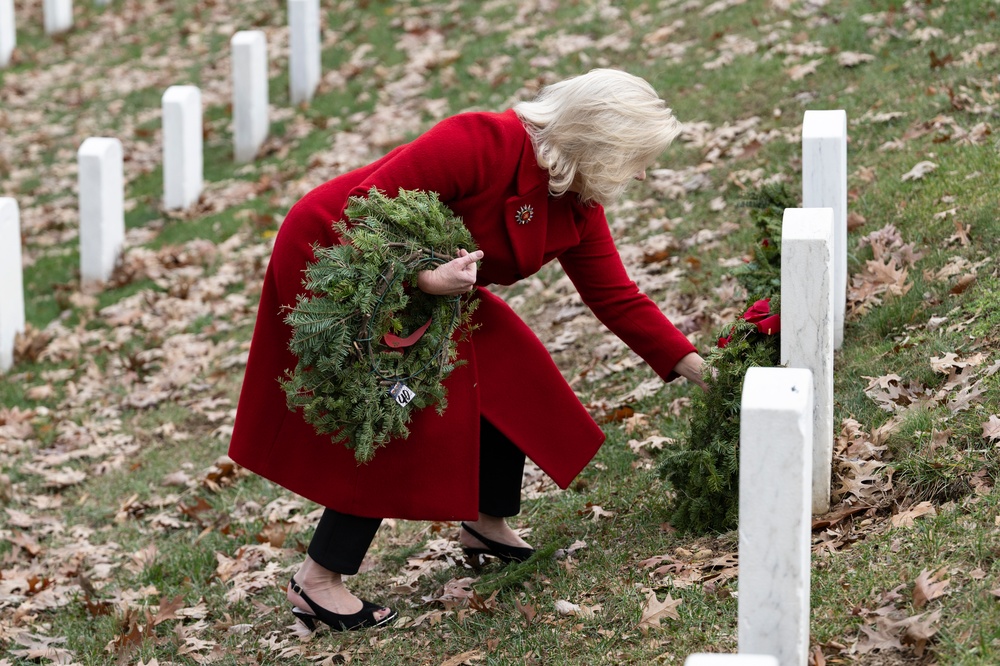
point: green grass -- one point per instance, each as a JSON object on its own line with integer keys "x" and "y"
{"x": 92, "y": 385}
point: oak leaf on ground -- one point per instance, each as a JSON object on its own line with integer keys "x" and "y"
{"x": 919, "y": 170}
{"x": 880, "y": 639}
{"x": 802, "y": 70}
{"x": 906, "y": 518}
{"x": 464, "y": 658}
{"x": 920, "y": 629}
{"x": 991, "y": 428}
{"x": 928, "y": 587}
{"x": 527, "y": 610}
{"x": 655, "y": 610}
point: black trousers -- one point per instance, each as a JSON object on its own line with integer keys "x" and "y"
{"x": 341, "y": 540}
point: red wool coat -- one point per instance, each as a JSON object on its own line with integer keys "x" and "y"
{"x": 483, "y": 167}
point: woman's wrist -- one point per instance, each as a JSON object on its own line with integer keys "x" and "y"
{"x": 691, "y": 368}
{"x": 425, "y": 281}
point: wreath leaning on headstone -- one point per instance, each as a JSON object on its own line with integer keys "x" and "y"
{"x": 703, "y": 470}
{"x": 371, "y": 346}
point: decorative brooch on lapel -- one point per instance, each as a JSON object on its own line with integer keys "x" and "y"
{"x": 524, "y": 214}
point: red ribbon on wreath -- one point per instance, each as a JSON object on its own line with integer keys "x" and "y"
{"x": 760, "y": 314}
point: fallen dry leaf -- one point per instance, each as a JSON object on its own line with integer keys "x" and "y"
{"x": 178, "y": 478}
{"x": 526, "y": 610}
{"x": 595, "y": 512}
{"x": 462, "y": 659}
{"x": 991, "y": 428}
{"x": 833, "y": 517}
{"x": 488, "y": 605}
{"x": 906, "y": 518}
{"x": 928, "y": 587}
{"x": 168, "y": 609}
{"x": 39, "y": 647}
{"x": 616, "y": 415}
{"x": 571, "y": 550}
{"x": 962, "y": 284}
{"x": 961, "y": 235}
{"x": 42, "y": 392}
{"x": 877, "y": 639}
{"x": 939, "y": 62}
{"x": 564, "y": 607}
{"x": 655, "y": 610}
{"x": 920, "y": 630}
{"x": 966, "y": 396}
{"x": 801, "y": 71}
{"x": 920, "y": 170}
{"x": 853, "y": 59}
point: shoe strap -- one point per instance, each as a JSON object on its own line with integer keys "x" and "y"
{"x": 297, "y": 589}
{"x": 486, "y": 541}
{"x": 320, "y": 612}
{"x": 477, "y": 535}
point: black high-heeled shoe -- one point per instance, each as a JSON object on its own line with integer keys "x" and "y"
{"x": 363, "y": 619}
{"x": 501, "y": 551}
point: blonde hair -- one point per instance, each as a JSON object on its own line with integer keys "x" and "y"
{"x": 599, "y": 129}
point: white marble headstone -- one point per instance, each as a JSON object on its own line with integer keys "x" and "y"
{"x": 718, "y": 659}
{"x": 58, "y": 16}
{"x": 8, "y": 33}
{"x": 807, "y": 315}
{"x": 250, "y": 94}
{"x": 183, "y": 163}
{"x": 775, "y": 491}
{"x": 304, "y": 49}
{"x": 824, "y": 185}
{"x": 102, "y": 207}
{"x": 11, "y": 281}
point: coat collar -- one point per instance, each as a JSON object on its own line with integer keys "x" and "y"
{"x": 526, "y": 213}
{"x": 530, "y": 176}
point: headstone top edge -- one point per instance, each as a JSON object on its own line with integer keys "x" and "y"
{"x": 96, "y": 145}
{"x": 807, "y": 224}
{"x": 180, "y": 93}
{"x": 777, "y": 389}
{"x": 247, "y": 37}
{"x": 741, "y": 659}
{"x": 821, "y": 112}
{"x": 822, "y": 124}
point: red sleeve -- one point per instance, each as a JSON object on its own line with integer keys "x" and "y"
{"x": 454, "y": 158}
{"x": 597, "y": 272}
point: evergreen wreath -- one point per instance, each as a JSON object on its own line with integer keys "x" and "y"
{"x": 703, "y": 470}
{"x": 357, "y": 379}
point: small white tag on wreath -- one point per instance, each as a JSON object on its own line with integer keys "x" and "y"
{"x": 402, "y": 394}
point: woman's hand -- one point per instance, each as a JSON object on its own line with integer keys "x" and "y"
{"x": 454, "y": 278}
{"x": 691, "y": 367}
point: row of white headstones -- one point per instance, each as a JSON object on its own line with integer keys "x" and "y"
{"x": 100, "y": 159}
{"x": 100, "y": 177}
{"x": 787, "y": 412}
{"x": 250, "y": 84}
{"x": 58, "y": 18}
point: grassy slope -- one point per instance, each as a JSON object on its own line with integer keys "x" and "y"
{"x": 108, "y": 515}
